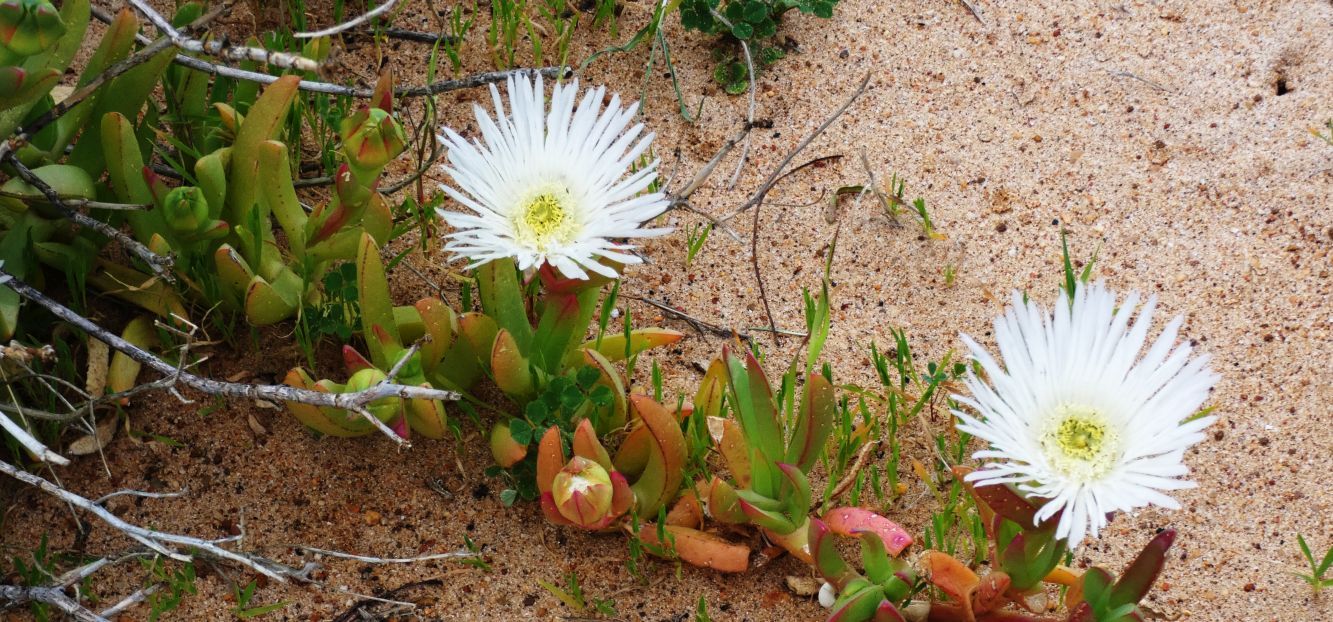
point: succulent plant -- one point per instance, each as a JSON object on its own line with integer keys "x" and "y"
{"x": 769, "y": 487}
{"x": 590, "y": 491}
{"x": 28, "y": 27}
{"x": 1103, "y": 598}
{"x": 272, "y": 287}
{"x": 37, "y": 43}
{"x": 546, "y": 368}
{"x": 385, "y": 329}
{"x": 887, "y": 582}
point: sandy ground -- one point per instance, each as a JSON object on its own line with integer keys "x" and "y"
{"x": 1169, "y": 137}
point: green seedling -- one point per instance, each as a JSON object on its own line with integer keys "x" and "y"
{"x": 1316, "y": 579}
{"x": 695, "y": 237}
{"x": 572, "y": 595}
{"x": 244, "y": 611}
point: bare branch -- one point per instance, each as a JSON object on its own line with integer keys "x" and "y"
{"x": 460, "y": 554}
{"x": 30, "y": 443}
{"x": 78, "y": 202}
{"x": 805, "y": 142}
{"x": 160, "y": 265}
{"x": 139, "y": 493}
{"x": 355, "y": 401}
{"x": 220, "y": 49}
{"x": 350, "y": 24}
{"x": 312, "y": 86}
{"x": 159, "y": 541}
{"x": 18, "y": 595}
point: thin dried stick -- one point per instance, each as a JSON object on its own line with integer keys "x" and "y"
{"x": 220, "y": 49}
{"x": 697, "y": 324}
{"x": 850, "y": 478}
{"x": 350, "y": 24}
{"x": 159, "y": 541}
{"x": 390, "y": 560}
{"x": 355, "y": 401}
{"x": 18, "y": 595}
{"x": 749, "y": 113}
{"x": 778, "y": 172}
{"x": 159, "y": 264}
{"x": 773, "y": 178}
{"x": 312, "y": 86}
{"x": 129, "y": 601}
{"x": 78, "y": 202}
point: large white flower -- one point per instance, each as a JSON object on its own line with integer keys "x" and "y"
{"x": 1074, "y": 415}
{"x": 551, "y": 186}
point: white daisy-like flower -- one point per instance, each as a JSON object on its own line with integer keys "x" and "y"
{"x": 551, "y": 185}
{"x": 1074, "y": 415}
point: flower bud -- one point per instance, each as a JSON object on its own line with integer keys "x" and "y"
{"x": 582, "y": 492}
{"x": 185, "y": 209}
{"x": 28, "y": 27}
{"x": 371, "y": 138}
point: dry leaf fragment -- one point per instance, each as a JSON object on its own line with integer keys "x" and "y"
{"x": 93, "y": 443}
{"x": 99, "y": 356}
{"x": 255, "y": 426}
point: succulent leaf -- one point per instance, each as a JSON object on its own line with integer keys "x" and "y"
{"x": 814, "y": 422}
{"x": 698, "y": 548}
{"x": 851, "y": 522}
{"x": 665, "y": 469}
{"x": 506, "y": 451}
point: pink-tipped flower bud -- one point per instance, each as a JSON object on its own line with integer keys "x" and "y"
{"x": 371, "y": 138}
{"x": 28, "y": 27}
{"x": 582, "y": 492}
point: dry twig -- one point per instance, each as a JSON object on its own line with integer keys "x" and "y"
{"x": 357, "y": 402}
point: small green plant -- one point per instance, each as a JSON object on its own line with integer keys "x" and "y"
{"x": 572, "y": 595}
{"x": 895, "y": 201}
{"x": 1316, "y": 579}
{"x": 244, "y": 611}
{"x": 176, "y": 583}
{"x": 39, "y": 569}
{"x": 701, "y": 611}
{"x": 950, "y": 274}
{"x": 695, "y": 237}
{"x": 1326, "y": 134}
{"x": 732, "y": 72}
{"x": 477, "y": 559}
{"x": 507, "y": 16}
{"x": 746, "y": 19}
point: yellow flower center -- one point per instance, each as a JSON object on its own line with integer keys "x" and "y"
{"x": 545, "y": 220}
{"x": 1080, "y": 443}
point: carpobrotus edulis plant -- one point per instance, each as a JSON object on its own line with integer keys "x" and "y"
{"x": 1073, "y": 414}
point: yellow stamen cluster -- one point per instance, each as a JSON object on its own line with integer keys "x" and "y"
{"x": 545, "y": 221}
{"x": 1080, "y": 443}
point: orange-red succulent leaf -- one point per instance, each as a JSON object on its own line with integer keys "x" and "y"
{"x": 550, "y": 459}
{"x": 952, "y": 577}
{"x": 699, "y": 548}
